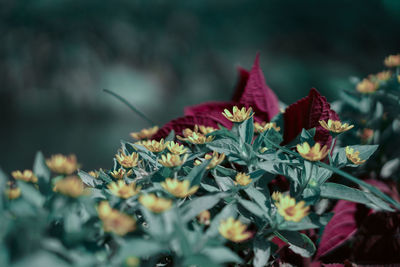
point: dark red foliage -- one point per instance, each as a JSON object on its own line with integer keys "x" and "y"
{"x": 306, "y": 113}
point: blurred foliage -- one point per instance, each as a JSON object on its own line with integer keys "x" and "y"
{"x": 56, "y": 56}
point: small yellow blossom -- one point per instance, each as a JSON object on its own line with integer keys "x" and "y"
{"x": 120, "y": 173}
{"x": 276, "y": 196}
{"x": 238, "y": 115}
{"x": 176, "y": 148}
{"x": 354, "y": 156}
{"x": 26, "y": 176}
{"x": 392, "y": 61}
{"x": 234, "y": 230}
{"x": 289, "y": 210}
{"x": 335, "y": 126}
{"x": 127, "y": 161}
{"x": 366, "y": 135}
{"x": 123, "y": 190}
{"x": 216, "y": 159}
{"x": 398, "y": 78}
{"x": 115, "y": 221}
{"x": 263, "y": 149}
{"x": 204, "y": 217}
{"x": 178, "y": 188}
{"x": 243, "y": 179}
{"x": 204, "y": 129}
{"x": 366, "y": 86}
{"x": 71, "y": 186}
{"x": 195, "y": 138}
{"x": 153, "y": 145}
{"x": 154, "y": 203}
{"x": 145, "y": 133}
{"x": 12, "y": 191}
{"x": 381, "y": 76}
{"x": 172, "y": 160}
{"x": 132, "y": 262}
{"x": 264, "y": 126}
{"x": 94, "y": 174}
{"x": 314, "y": 153}
{"x": 62, "y": 164}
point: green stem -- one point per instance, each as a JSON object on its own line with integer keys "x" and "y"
{"x": 306, "y": 183}
{"x": 123, "y": 100}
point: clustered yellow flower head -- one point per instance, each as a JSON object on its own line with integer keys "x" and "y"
{"x": 243, "y": 179}
{"x": 354, "y": 156}
{"x": 153, "y": 145}
{"x": 204, "y": 217}
{"x": 234, "y": 230}
{"x": 145, "y": 133}
{"x": 366, "y": 86}
{"x": 198, "y": 135}
{"x": 314, "y": 153}
{"x": 264, "y": 126}
{"x": 132, "y": 262}
{"x": 171, "y": 160}
{"x": 12, "y": 191}
{"x": 94, "y": 174}
{"x": 120, "y": 173}
{"x": 381, "y": 76}
{"x": 176, "y": 148}
{"x": 392, "y": 61}
{"x": 127, "y": 161}
{"x": 71, "y": 186}
{"x": 26, "y": 176}
{"x": 335, "y": 126}
{"x": 238, "y": 115}
{"x": 154, "y": 203}
{"x": 123, "y": 190}
{"x": 115, "y": 221}
{"x": 288, "y": 208}
{"x": 216, "y": 159}
{"x": 62, "y": 164}
{"x": 178, "y": 188}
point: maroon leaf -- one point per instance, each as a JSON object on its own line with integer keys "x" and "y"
{"x": 184, "y": 122}
{"x": 341, "y": 227}
{"x": 212, "y": 110}
{"x": 306, "y": 113}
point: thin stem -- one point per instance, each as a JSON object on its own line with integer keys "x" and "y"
{"x": 123, "y": 100}
{"x": 306, "y": 183}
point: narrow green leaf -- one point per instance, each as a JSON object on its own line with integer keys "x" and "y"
{"x": 299, "y": 243}
{"x": 40, "y": 168}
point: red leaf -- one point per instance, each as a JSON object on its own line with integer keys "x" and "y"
{"x": 257, "y": 94}
{"x": 340, "y": 228}
{"x": 212, "y": 110}
{"x": 306, "y": 113}
{"x": 182, "y": 123}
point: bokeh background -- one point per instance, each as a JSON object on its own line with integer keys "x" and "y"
{"x": 56, "y": 56}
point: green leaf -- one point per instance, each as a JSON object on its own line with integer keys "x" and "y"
{"x": 139, "y": 247}
{"x": 366, "y": 151}
{"x": 221, "y": 255}
{"x": 196, "y": 174}
{"x": 88, "y": 179}
{"x": 40, "y": 168}
{"x": 171, "y": 136}
{"x": 246, "y": 131}
{"x": 259, "y": 197}
{"x": 31, "y": 194}
{"x": 252, "y": 207}
{"x": 41, "y": 258}
{"x": 200, "y": 260}
{"x": 312, "y": 221}
{"x": 226, "y": 146}
{"x": 262, "y": 252}
{"x": 194, "y": 207}
{"x": 103, "y": 176}
{"x": 299, "y": 243}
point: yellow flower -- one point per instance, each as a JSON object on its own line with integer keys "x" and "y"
{"x": 127, "y": 161}
{"x": 115, "y": 221}
{"x": 263, "y": 149}
{"x": 238, "y": 115}
{"x": 12, "y": 191}
{"x": 154, "y": 203}
{"x": 204, "y": 217}
{"x": 198, "y": 135}
{"x": 120, "y": 173}
{"x": 366, "y": 135}
{"x": 276, "y": 196}
{"x": 381, "y": 76}
{"x": 398, "y": 78}
{"x": 335, "y": 126}
{"x": 264, "y": 126}
{"x": 132, "y": 262}
{"x": 153, "y": 145}
{"x": 204, "y": 129}
{"x": 123, "y": 190}
{"x": 179, "y": 188}
{"x": 392, "y": 61}
{"x": 70, "y": 186}
{"x": 145, "y": 133}
{"x": 94, "y": 174}
{"x": 354, "y": 156}
{"x": 26, "y": 176}
{"x": 171, "y": 160}
{"x": 314, "y": 153}
{"x": 366, "y": 86}
{"x": 243, "y": 179}
{"x": 62, "y": 164}
{"x": 176, "y": 148}
{"x": 289, "y": 210}
{"x": 216, "y": 159}
{"x": 234, "y": 230}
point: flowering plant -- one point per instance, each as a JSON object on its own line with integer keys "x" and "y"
{"x": 236, "y": 183}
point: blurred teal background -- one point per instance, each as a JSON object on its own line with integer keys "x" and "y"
{"x": 57, "y": 55}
